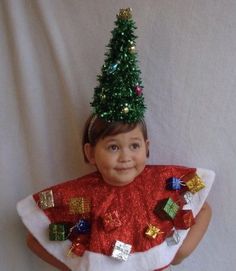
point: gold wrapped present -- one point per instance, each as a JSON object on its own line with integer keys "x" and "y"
{"x": 195, "y": 184}
{"x": 79, "y": 205}
{"x": 152, "y": 231}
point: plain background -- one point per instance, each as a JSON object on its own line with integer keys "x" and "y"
{"x": 50, "y": 54}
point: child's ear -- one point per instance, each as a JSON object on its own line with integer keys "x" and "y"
{"x": 147, "y": 147}
{"x": 89, "y": 153}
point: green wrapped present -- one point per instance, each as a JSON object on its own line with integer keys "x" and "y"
{"x": 59, "y": 231}
{"x": 166, "y": 209}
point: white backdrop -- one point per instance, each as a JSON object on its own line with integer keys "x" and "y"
{"x": 50, "y": 54}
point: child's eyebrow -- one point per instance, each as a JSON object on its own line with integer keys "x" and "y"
{"x": 136, "y": 138}
{"x": 111, "y": 139}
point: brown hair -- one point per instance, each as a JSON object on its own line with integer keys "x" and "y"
{"x": 96, "y": 128}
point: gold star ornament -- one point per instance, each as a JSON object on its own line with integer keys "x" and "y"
{"x": 125, "y": 13}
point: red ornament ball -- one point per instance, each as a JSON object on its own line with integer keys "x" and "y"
{"x": 138, "y": 90}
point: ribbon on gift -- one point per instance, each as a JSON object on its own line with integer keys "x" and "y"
{"x": 83, "y": 226}
{"x": 152, "y": 231}
{"x": 174, "y": 183}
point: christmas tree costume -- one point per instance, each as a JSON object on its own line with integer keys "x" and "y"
{"x": 91, "y": 225}
{"x": 132, "y": 215}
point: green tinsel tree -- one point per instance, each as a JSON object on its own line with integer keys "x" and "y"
{"x": 119, "y": 96}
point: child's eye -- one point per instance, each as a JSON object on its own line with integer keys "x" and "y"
{"x": 134, "y": 146}
{"x": 113, "y": 148}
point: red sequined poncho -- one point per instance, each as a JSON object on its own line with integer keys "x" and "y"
{"x": 115, "y": 213}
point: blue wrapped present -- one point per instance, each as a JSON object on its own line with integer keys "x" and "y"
{"x": 173, "y": 183}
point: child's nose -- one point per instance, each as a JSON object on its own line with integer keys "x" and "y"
{"x": 124, "y": 155}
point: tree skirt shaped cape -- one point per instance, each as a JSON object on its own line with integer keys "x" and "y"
{"x": 131, "y": 214}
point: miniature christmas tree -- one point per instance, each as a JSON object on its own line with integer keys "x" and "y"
{"x": 119, "y": 95}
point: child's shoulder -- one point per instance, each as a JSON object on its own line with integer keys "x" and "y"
{"x": 90, "y": 178}
{"x": 72, "y": 185}
{"x": 169, "y": 169}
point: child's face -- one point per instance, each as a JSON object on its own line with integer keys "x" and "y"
{"x": 119, "y": 158}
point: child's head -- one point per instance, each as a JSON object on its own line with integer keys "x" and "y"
{"x": 119, "y": 150}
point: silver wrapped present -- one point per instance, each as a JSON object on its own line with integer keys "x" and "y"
{"x": 188, "y": 196}
{"x": 121, "y": 251}
{"x": 46, "y": 199}
{"x": 173, "y": 239}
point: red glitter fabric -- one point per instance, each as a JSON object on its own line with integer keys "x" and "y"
{"x": 133, "y": 205}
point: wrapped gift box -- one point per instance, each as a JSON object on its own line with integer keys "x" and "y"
{"x": 121, "y": 251}
{"x": 173, "y": 183}
{"x": 184, "y": 219}
{"x": 59, "y": 231}
{"x": 166, "y": 209}
{"x": 194, "y": 183}
{"x": 173, "y": 238}
{"x": 111, "y": 221}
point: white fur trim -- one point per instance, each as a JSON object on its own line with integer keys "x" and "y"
{"x": 158, "y": 257}
{"x": 37, "y": 223}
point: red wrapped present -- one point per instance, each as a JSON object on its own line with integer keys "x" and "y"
{"x": 111, "y": 221}
{"x": 79, "y": 245}
{"x": 184, "y": 219}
